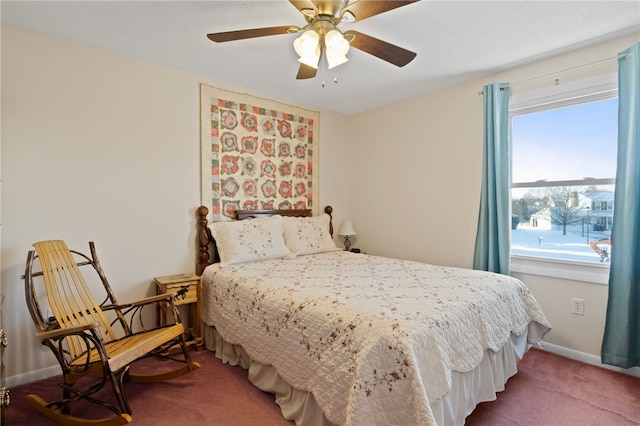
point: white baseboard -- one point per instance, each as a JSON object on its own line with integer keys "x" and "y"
{"x": 586, "y": 358}
{"x": 32, "y": 376}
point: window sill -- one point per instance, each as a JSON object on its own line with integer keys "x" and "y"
{"x": 597, "y": 273}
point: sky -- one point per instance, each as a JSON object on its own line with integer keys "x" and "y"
{"x": 566, "y": 143}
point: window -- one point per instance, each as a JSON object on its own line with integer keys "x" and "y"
{"x": 564, "y": 147}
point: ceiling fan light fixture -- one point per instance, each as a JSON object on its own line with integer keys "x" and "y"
{"x": 333, "y": 62}
{"x": 307, "y": 46}
{"x": 311, "y": 60}
{"x": 336, "y": 48}
{"x": 321, "y": 36}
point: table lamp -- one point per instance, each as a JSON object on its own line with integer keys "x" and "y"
{"x": 346, "y": 230}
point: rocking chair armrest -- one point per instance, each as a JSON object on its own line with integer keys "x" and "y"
{"x": 66, "y": 331}
{"x": 151, "y": 299}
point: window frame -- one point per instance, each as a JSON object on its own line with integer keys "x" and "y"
{"x": 560, "y": 95}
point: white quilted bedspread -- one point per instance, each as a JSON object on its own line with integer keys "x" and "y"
{"x": 374, "y": 339}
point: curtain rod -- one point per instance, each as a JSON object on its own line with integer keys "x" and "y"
{"x": 557, "y": 73}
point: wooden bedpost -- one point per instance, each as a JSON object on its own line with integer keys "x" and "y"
{"x": 328, "y": 210}
{"x": 203, "y": 240}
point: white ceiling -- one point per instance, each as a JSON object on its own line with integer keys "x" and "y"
{"x": 455, "y": 41}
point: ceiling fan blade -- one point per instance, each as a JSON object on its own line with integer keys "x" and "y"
{"x": 383, "y": 50}
{"x": 305, "y": 71}
{"x": 302, "y": 4}
{"x": 252, "y": 33}
{"x": 363, "y": 9}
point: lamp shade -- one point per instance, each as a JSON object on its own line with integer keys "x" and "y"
{"x": 308, "y": 47}
{"x": 336, "y": 48}
{"x": 346, "y": 228}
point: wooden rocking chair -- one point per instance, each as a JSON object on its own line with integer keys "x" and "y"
{"x": 84, "y": 341}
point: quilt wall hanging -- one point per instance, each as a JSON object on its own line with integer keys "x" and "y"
{"x": 256, "y": 154}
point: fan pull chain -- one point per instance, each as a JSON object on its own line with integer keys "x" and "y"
{"x": 335, "y": 80}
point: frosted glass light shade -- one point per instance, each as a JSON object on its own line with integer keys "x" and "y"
{"x": 308, "y": 47}
{"x": 336, "y": 48}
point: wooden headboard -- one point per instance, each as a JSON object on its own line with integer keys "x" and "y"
{"x": 206, "y": 257}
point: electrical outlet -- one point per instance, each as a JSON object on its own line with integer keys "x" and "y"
{"x": 577, "y": 306}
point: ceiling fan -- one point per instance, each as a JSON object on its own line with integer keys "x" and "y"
{"x": 321, "y": 36}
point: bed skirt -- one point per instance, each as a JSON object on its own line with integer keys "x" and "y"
{"x": 468, "y": 389}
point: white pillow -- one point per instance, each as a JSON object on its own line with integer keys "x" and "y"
{"x": 308, "y": 235}
{"x": 250, "y": 239}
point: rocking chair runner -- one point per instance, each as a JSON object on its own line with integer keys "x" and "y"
{"x": 84, "y": 341}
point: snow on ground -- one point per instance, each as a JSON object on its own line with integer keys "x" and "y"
{"x": 550, "y": 243}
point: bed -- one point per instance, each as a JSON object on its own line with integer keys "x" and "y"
{"x": 353, "y": 339}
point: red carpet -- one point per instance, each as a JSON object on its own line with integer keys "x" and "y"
{"x": 215, "y": 394}
{"x": 553, "y": 390}
{"x": 548, "y": 390}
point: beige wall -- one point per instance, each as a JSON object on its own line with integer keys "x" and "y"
{"x": 416, "y": 184}
{"x": 416, "y": 179}
{"x": 98, "y": 146}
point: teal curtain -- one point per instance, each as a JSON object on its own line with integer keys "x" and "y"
{"x": 621, "y": 343}
{"x": 492, "y": 252}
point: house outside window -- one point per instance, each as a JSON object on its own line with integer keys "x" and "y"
{"x": 564, "y": 155}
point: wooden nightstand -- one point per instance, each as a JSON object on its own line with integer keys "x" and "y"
{"x": 192, "y": 298}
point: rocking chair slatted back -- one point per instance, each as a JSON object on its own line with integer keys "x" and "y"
{"x": 86, "y": 344}
{"x": 69, "y": 298}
